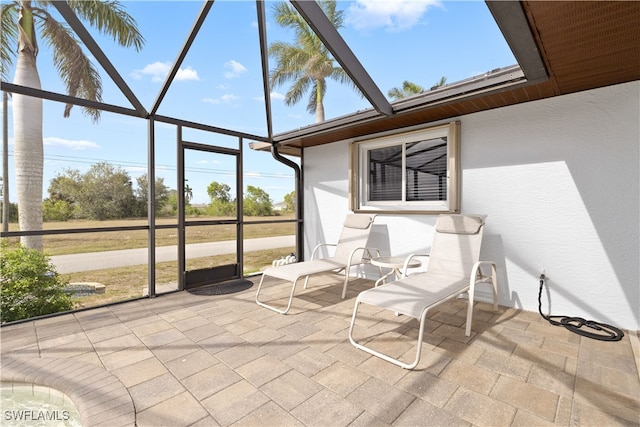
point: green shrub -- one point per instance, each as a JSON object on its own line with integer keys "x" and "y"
{"x": 13, "y": 211}
{"x": 29, "y": 285}
{"x": 59, "y": 210}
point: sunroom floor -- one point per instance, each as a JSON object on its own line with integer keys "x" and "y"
{"x": 205, "y": 359}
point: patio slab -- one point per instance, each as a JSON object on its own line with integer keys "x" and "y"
{"x": 186, "y": 359}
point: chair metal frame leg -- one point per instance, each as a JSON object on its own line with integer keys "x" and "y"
{"x": 366, "y": 252}
{"x": 477, "y": 277}
{"x": 270, "y": 307}
{"x": 386, "y": 357}
{"x": 346, "y": 279}
{"x": 346, "y": 269}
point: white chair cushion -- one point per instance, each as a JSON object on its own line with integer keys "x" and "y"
{"x": 358, "y": 221}
{"x": 459, "y": 224}
{"x": 412, "y": 295}
{"x": 291, "y": 272}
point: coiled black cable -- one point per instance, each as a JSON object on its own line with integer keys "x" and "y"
{"x": 575, "y": 324}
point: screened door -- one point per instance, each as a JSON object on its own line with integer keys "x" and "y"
{"x": 209, "y": 240}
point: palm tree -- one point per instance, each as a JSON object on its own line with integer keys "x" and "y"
{"x": 307, "y": 63}
{"x": 440, "y": 83}
{"x": 408, "y": 89}
{"x": 188, "y": 194}
{"x": 20, "y": 19}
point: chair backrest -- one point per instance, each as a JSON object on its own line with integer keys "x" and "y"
{"x": 456, "y": 244}
{"x": 355, "y": 233}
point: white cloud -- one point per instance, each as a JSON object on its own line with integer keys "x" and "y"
{"x": 235, "y": 69}
{"x": 224, "y": 99}
{"x": 228, "y": 98}
{"x": 71, "y": 144}
{"x": 158, "y": 72}
{"x": 272, "y": 95}
{"x": 393, "y": 16}
{"x": 187, "y": 74}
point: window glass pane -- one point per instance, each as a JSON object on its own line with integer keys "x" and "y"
{"x": 385, "y": 173}
{"x": 426, "y": 172}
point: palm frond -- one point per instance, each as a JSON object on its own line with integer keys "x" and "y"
{"x": 290, "y": 63}
{"x": 110, "y": 18}
{"x": 340, "y": 75}
{"x": 395, "y": 93}
{"x": 297, "y": 90}
{"x": 335, "y": 16}
{"x": 74, "y": 67}
{"x": 289, "y": 56}
{"x": 410, "y": 88}
{"x": 307, "y": 63}
{"x": 8, "y": 37}
{"x": 441, "y": 82}
{"x": 286, "y": 15}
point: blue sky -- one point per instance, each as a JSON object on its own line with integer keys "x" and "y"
{"x": 219, "y": 82}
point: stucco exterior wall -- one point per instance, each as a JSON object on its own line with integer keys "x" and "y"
{"x": 559, "y": 180}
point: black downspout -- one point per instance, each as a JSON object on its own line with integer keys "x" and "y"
{"x": 299, "y": 201}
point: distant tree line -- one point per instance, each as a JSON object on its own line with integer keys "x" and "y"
{"x": 255, "y": 203}
{"x": 107, "y": 192}
{"x": 290, "y": 202}
{"x": 103, "y": 192}
{"x": 13, "y": 211}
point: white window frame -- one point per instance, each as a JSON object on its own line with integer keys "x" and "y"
{"x": 359, "y": 171}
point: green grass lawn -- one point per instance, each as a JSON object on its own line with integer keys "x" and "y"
{"x": 129, "y": 282}
{"x": 76, "y": 243}
{"x": 125, "y": 283}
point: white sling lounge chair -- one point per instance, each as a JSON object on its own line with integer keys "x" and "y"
{"x": 350, "y": 251}
{"x": 453, "y": 269}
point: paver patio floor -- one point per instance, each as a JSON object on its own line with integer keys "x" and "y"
{"x": 199, "y": 359}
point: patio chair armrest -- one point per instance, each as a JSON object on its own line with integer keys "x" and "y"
{"x": 477, "y": 274}
{"x": 405, "y": 267}
{"x": 367, "y": 254}
{"x": 320, "y": 245}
